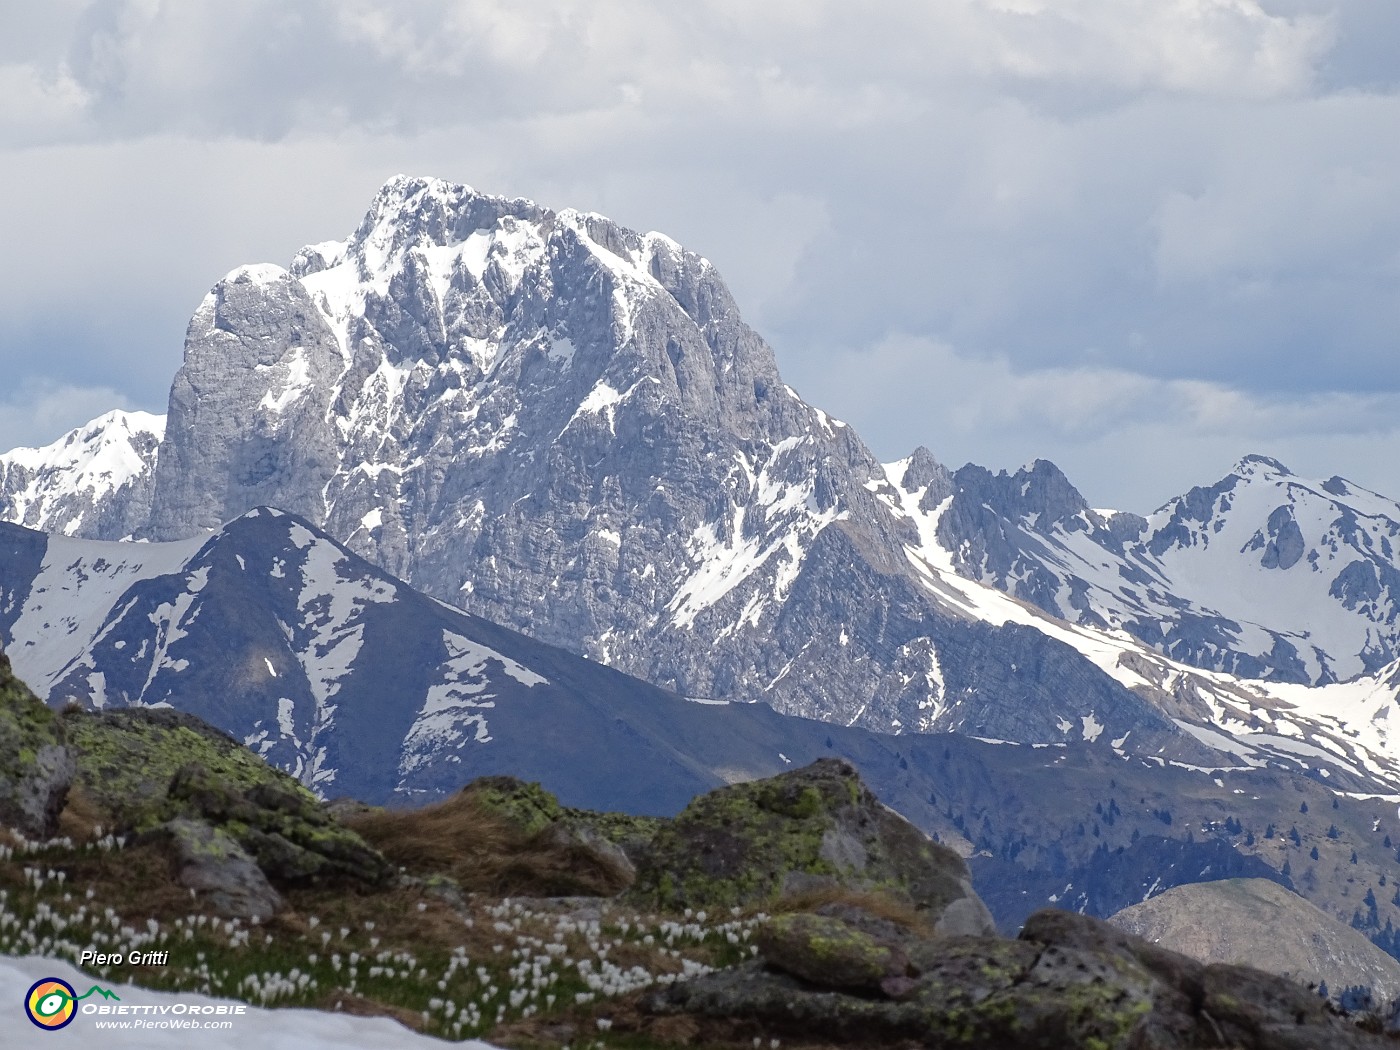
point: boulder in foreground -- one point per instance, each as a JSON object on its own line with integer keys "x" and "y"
{"x": 1069, "y": 981}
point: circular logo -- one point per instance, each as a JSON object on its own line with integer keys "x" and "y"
{"x": 51, "y": 1003}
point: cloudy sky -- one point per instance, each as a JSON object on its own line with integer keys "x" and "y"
{"x": 1138, "y": 237}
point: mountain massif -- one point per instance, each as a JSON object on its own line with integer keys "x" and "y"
{"x": 566, "y": 427}
{"x": 414, "y": 490}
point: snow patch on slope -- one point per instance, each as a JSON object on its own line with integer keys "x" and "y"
{"x": 454, "y": 710}
{"x": 73, "y": 593}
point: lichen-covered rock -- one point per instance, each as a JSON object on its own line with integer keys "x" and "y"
{"x": 1196, "y": 1004}
{"x": 749, "y": 844}
{"x": 147, "y": 767}
{"x": 1070, "y": 983}
{"x": 978, "y": 992}
{"x": 36, "y": 769}
{"x": 829, "y": 952}
{"x": 218, "y": 869}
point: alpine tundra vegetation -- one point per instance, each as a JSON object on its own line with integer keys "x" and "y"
{"x": 853, "y": 944}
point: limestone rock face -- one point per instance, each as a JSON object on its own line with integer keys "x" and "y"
{"x": 566, "y": 427}
{"x": 36, "y": 769}
{"x": 814, "y": 828}
{"x": 259, "y": 360}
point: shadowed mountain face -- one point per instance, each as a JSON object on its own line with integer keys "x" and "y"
{"x": 358, "y": 685}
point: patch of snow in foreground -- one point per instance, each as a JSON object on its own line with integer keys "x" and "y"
{"x": 263, "y": 1028}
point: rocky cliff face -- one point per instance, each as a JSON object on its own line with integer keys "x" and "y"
{"x": 565, "y": 426}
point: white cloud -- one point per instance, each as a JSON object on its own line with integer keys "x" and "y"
{"x": 1129, "y": 440}
{"x": 32, "y": 100}
{"x": 269, "y": 69}
{"x": 40, "y": 411}
{"x": 1132, "y": 191}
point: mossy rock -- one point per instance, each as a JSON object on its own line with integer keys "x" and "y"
{"x": 36, "y": 768}
{"x": 820, "y": 826}
{"x": 527, "y": 809}
{"x": 829, "y": 952}
{"x": 146, "y": 767}
{"x": 630, "y": 833}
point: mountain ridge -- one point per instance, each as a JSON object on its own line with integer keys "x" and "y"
{"x": 564, "y": 426}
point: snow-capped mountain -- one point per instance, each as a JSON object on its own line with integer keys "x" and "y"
{"x": 94, "y": 481}
{"x": 331, "y": 669}
{"x": 1263, "y": 574}
{"x": 564, "y": 426}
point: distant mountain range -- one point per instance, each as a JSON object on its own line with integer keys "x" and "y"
{"x": 565, "y": 426}
{"x": 563, "y": 430}
{"x": 1263, "y": 574}
{"x": 362, "y": 687}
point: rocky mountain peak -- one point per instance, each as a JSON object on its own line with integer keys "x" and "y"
{"x": 94, "y": 479}
{"x": 1038, "y": 492}
{"x": 1254, "y": 464}
{"x": 565, "y": 425}
{"x": 925, "y": 476}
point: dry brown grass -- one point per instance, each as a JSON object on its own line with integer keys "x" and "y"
{"x": 81, "y": 815}
{"x": 459, "y": 838}
{"x": 449, "y": 837}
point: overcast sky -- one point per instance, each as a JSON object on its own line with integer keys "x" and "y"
{"x": 1138, "y": 237}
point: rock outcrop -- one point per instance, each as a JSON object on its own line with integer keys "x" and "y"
{"x": 147, "y": 768}
{"x": 1259, "y": 923}
{"x": 814, "y": 828}
{"x": 512, "y": 838}
{"x": 36, "y": 768}
{"x": 1067, "y": 982}
{"x": 212, "y": 863}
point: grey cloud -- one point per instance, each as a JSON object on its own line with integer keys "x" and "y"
{"x": 1129, "y": 441}
{"x": 1181, "y": 192}
{"x": 266, "y": 69}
